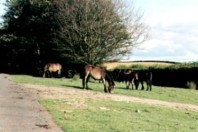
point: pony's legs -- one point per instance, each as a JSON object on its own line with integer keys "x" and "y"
{"x": 105, "y": 87}
{"x": 127, "y": 84}
{"x": 149, "y": 85}
{"x": 142, "y": 82}
{"x": 44, "y": 75}
{"x": 50, "y": 74}
{"x": 85, "y": 81}
{"x": 136, "y": 82}
{"x": 59, "y": 73}
{"x": 132, "y": 82}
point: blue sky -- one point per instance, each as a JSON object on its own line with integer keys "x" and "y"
{"x": 173, "y": 30}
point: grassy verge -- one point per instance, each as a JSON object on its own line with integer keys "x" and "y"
{"x": 77, "y": 114}
{"x": 102, "y": 115}
{"x": 160, "y": 93}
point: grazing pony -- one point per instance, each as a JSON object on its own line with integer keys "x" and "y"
{"x": 144, "y": 76}
{"x": 129, "y": 76}
{"x": 98, "y": 73}
{"x": 125, "y": 75}
{"x": 51, "y": 68}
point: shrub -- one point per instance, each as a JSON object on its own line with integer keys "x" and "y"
{"x": 76, "y": 77}
{"x": 191, "y": 85}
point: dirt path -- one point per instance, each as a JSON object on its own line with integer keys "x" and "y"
{"x": 20, "y": 110}
{"x": 80, "y": 95}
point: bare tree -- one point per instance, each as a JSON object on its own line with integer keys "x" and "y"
{"x": 96, "y": 30}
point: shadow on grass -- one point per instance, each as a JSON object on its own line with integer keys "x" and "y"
{"x": 76, "y": 87}
{"x": 132, "y": 89}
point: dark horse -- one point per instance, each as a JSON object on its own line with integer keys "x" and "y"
{"x": 129, "y": 76}
{"x": 144, "y": 76}
{"x": 125, "y": 75}
{"x": 98, "y": 73}
{"x": 51, "y": 68}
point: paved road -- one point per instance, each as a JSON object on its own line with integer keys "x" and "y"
{"x": 20, "y": 110}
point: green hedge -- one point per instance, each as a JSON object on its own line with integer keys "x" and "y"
{"x": 183, "y": 75}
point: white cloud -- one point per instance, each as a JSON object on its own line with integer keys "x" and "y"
{"x": 174, "y": 32}
{"x": 180, "y": 16}
{"x": 189, "y": 57}
{"x": 2, "y": 9}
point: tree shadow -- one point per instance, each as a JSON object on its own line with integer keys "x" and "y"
{"x": 76, "y": 87}
{"x": 124, "y": 88}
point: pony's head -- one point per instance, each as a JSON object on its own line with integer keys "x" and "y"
{"x": 111, "y": 86}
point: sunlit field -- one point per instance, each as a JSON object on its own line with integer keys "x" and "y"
{"x": 160, "y": 93}
{"x": 110, "y": 116}
{"x": 73, "y": 114}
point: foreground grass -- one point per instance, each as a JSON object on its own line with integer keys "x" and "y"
{"x": 160, "y": 93}
{"x": 112, "y": 116}
{"x": 77, "y": 114}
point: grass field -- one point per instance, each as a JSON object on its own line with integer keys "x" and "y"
{"x": 112, "y": 116}
{"x": 159, "y": 93}
{"x": 117, "y": 116}
{"x": 112, "y": 65}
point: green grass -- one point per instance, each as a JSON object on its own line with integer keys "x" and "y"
{"x": 86, "y": 115}
{"x": 160, "y": 93}
{"x": 45, "y": 81}
{"x": 163, "y": 93}
{"x": 112, "y": 116}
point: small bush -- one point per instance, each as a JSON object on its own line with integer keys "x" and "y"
{"x": 191, "y": 85}
{"x": 76, "y": 77}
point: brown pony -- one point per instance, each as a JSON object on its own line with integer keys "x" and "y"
{"x": 98, "y": 73}
{"x": 51, "y": 68}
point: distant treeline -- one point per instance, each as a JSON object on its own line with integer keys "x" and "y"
{"x": 183, "y": 75}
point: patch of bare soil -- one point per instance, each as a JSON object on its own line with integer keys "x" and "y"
{"x": 78, "y": 97}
